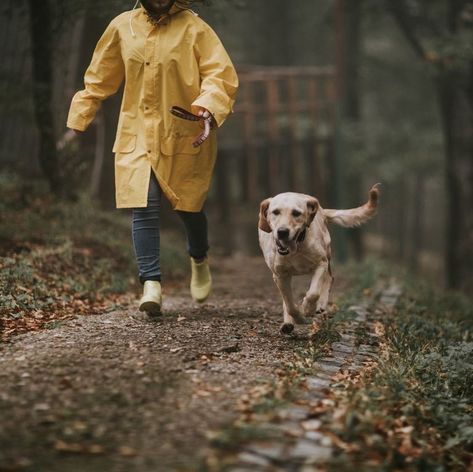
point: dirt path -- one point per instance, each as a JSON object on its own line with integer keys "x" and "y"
{"x": 115, "y": 393}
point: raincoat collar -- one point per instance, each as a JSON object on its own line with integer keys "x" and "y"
{"x": 174, "y": 9}
{"x": 142, "y": 19}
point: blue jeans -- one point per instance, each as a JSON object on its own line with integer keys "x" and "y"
{"x": 146, "y": 240}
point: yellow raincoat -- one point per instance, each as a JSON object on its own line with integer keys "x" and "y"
{"x": 179, "y": 62}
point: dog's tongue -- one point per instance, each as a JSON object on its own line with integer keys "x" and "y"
{"x": 285, "y": 248}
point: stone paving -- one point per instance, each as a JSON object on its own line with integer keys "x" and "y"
{"x": 303, "y": 447}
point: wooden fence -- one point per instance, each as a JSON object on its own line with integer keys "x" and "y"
{"x": 280, "y": 137}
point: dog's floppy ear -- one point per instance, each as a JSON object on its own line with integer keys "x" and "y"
{"x": 313, "y": 207}
{"x": 263, "y": 213}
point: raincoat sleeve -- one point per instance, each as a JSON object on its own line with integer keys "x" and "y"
{"x": 219, "y": 81}
{"x": 102, "y": 79}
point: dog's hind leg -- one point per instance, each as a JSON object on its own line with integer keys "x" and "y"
{"x": 291, "y": 312}
{"x": 315, "y": 291}
{"x": 322, "y": 303}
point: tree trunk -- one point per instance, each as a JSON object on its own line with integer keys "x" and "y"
{"x": 417, "y": 222}
{"x": 400, "y": 219}
{"x": 455, "y": 94}
{"x": 457, "y": 117}
{"x": 100, "y": 143}
{"x": 352, "y": 108}
{"x": 41, "y": 41}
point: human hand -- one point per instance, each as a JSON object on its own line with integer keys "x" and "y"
{"x": 67, "y": 137}
{"x": 200, "y": 114}
{"x": 205, "y": 114}
{"x": 208, "y": 124}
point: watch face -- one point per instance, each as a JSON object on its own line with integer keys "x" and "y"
{"x": 157, "y": 7}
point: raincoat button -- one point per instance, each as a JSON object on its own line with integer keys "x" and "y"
{"x": 147, "y": 63}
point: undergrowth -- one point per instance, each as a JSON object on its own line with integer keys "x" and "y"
{"x": 59, "y": 259}
{"x": 414, "y": 409}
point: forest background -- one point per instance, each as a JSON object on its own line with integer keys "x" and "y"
{"x": 400, "y": 103}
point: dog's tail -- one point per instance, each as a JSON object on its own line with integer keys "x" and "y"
{"x": 355, "y": 216}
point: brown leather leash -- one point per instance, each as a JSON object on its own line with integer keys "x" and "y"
{"x": 187, "y": 115}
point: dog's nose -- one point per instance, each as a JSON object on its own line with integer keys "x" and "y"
{"x": 283, "y": 233}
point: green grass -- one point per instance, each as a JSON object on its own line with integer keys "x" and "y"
{"x": 414, "y": 410}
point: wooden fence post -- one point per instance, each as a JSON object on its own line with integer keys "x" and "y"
{"x": 251, "y": 190}
{"x": 272, "y": 109}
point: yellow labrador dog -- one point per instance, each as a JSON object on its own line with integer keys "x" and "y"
{"x": 294, "y": 238}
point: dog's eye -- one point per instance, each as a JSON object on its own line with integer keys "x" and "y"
{"x": 296, "y": 213}
{"x": 276, "y": 212}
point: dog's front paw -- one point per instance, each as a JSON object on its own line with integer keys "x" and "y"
{"x": 286, "y": 328}
{"x": 321, "y": 306}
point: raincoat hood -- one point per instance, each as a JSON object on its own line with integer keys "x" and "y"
{"x": 175, "y": 8}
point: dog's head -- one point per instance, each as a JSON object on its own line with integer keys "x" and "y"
{"x": 287, "y": 216}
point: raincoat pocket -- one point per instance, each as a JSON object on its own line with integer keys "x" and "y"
{"x": 125, "y": 143}
{"x": 172, "y": 146}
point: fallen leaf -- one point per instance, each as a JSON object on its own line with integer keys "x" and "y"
{"x": 79, "y": 426}
{"x": 41, "y": 407}
{"x": 96, "y": 449}
{"x": 231, "y": 348}
{"x": 127, "y": 451}
{"x": 176, "y": 349}
{"x": 62, "y": 446}
{"x": 311, "y": 425}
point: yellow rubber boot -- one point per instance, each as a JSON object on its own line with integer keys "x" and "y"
{"x": 151, "y": 300}
{"x": 201, "y": 280}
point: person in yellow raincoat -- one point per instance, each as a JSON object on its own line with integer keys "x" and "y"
{"x": 167, "y": 56}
